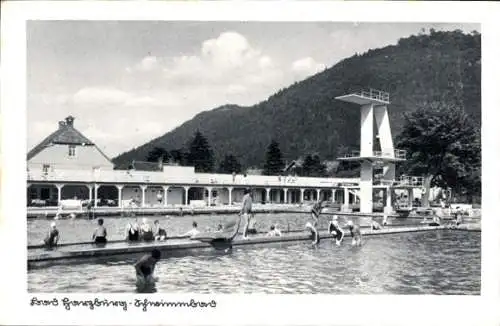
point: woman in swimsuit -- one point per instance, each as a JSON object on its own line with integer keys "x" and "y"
{"x": 133, "y": 231}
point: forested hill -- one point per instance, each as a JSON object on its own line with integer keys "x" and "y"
{"x": 305, "y": 118}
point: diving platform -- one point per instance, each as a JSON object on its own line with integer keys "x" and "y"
{"x": 365, "y": 97}
{"x": 397, "y": 155}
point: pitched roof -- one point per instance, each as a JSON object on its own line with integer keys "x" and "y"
{"x": 65, "y": 135}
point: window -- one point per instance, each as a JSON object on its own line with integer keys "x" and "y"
{"x": 46, "y": 168}
{"x": 72, "y": 151}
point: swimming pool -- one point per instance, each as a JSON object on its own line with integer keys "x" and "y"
{"x": 435, "y": 262}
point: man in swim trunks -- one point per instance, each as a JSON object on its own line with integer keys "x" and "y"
{"x": 335, "y": 230}
{"x": 314, "y": 233}
{"x": 100, "y": 233}
{"x": 246, "y": 210}
{"x": 355, "y": 233}
{"x": 316, "y": 212}
{"x": 160, "y": 234}
{"x": 145, "y": 266}
{"x": 53, "y": 236}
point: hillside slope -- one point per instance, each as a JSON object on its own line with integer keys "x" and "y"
{"x": 305, "y": 117}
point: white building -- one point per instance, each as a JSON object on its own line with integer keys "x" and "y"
{"x": 67, "y": 165}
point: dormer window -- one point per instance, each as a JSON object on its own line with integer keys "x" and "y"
{"x": 72, "y": 151}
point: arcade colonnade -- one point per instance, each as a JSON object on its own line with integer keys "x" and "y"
{"x": 147, "y": 195}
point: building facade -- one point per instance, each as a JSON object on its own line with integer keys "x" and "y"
{"x": 67, "y": 165}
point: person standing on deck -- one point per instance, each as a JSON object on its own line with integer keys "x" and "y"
{"x": 246, "y": 210}
{"x": 355, "y": 233}
{"x": 316, "y": 212}
{"x": 100, "y": 232}
{"x": 53, "y": 237}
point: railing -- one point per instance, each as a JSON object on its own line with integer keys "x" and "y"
{"x": 374, "y": 94}
{"x": 396, "y": 154}
{"x": 400, "y": 154}
{"x": 142, "y": 177}
{"x": 411, "y": 181}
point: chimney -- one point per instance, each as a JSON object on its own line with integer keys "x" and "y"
{"x": 62, "y": 124}
{"x": 69, "y": 121}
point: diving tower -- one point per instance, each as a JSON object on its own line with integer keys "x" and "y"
{"x": 373, "y": 104}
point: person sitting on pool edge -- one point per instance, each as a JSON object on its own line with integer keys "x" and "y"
{"x": 53, "y": 237}
{"x": 355, "y": 233}
{"x": 335, "y": 230}
{"x": 133, "y": 230}
{"x": 146, "y": 231}
{"x": 99, "y": 236}
{"x": 274, "y": 232}
{"x": 145, "y": 267}
{"x": 375, "y": 225}
{"x": 160, "y": 234}
{"x": 194, "y": 231}
{"x": 314, "y": 233}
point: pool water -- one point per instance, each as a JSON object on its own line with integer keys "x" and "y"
{"x": 433, "y": 262}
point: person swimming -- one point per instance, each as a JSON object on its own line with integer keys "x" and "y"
{"x": 314, "y": 233}
{"x": 133, "y": 230}
{"x": 274, "y": 232}
{"x": 53, "y": 237}
{"x": 355, "y": 233}
{"x": 100, "y": 232}
{"x": 145, "y": 268}
{"x": 193, "y": 232}
{"x": 146, "y": 231}
{"x": 160, "y": 234}
{"x": 335, "y": 230}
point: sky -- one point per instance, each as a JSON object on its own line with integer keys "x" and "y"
{"x": 128, "y": 82}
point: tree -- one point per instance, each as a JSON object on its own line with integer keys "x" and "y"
{"x": 443, "y": 145}
{"x": 312, "y": 167}
{"x": 229, "y": 165}
{"x": 200, "y": 154}
{"x": 156, "y": 154}
{"x": 274, "y": 164}
{"x": 179, "y": 156}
